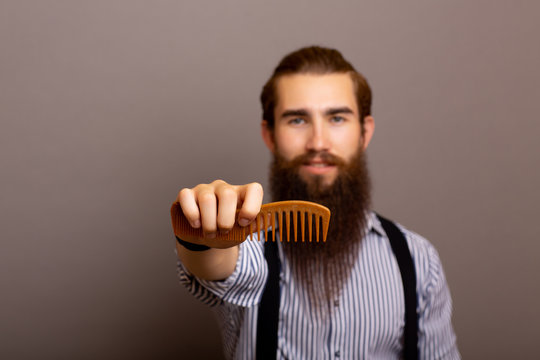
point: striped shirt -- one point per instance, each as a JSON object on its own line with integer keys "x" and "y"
{"x": 367, "y": 320}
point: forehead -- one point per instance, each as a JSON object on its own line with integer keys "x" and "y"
{"x": 315, "y": 91}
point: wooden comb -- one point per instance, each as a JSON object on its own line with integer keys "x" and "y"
{"x": 271, "y": 215}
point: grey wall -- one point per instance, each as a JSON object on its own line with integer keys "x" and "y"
{"x": 108, "y": 108}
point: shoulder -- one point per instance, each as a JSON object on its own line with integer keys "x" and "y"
{"x": 427, "y": 262}
{"x": 422, "y": 251}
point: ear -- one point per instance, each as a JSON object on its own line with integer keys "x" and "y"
{"x": 369, "y": 129}
{"x": 267, "y": 135}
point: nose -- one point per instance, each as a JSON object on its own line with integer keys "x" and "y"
{"x": 318, "y": 138}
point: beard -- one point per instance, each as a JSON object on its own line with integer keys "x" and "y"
{"x": 323, "y": 268}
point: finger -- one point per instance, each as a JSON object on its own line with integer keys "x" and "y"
{"x": 252, "y": 196}
{"x": 186, "y": 199}
{"x": 227, "y": 197}
{"x": 206, "y": 199}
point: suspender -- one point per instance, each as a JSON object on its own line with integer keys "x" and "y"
{"x": 408, "y": 276}
{"x": 268, "y": 316}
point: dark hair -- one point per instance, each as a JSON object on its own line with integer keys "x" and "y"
{"x": 315, "y": 60}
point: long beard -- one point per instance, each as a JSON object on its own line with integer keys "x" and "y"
{"x": 323, "y": 268}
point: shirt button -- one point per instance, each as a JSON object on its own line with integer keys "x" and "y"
{"x": 336, "y": 303}
{"x": 337, "y": 353}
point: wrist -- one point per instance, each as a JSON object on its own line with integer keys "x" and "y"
{"x": 191, "y": 246}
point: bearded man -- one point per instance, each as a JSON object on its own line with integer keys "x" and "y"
{"x": 344, "y": 298}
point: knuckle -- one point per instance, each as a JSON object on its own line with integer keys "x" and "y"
{"x": 255, "y": 186}
{"x": 218, "y": 183}
{"x": 201, "y": 187}
{"x": 184, "y": 193}
{"x": 206, "y": 197}
{"x": 227, "y": 193}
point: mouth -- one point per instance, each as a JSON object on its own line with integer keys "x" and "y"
{"x": 318, "y": 167}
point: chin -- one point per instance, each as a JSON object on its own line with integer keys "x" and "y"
{"x": 321, "y": 180}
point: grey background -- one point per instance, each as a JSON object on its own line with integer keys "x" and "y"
{"x": 108, "y": 108}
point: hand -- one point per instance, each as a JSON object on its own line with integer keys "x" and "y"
{"x": 213, "y": 207}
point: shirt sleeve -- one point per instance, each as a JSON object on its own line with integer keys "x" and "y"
{"x": 436, "y": 337}
{"x": 243, "y": 287}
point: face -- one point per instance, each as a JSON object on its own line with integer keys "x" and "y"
{"x": 317, "y": 115}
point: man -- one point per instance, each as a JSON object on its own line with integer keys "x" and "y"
{"x": 340, "y": 299}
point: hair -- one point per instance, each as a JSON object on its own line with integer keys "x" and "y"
{"x": 315, "y": 60}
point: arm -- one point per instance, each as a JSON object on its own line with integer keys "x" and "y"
{"x": 211, "y": 264}
{"x": 213, "y": 207}
{"x": 436, "y": 334}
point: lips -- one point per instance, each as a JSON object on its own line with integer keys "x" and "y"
{"x": 319, "y": 163}
{"x": 318, "y": 167}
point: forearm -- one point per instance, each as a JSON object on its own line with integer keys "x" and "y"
{"x": 212, "y": 264}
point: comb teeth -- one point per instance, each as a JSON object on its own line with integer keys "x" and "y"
{"x": 272, "y": 215}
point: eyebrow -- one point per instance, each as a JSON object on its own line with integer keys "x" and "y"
{"x": 294, "y": 112}
{"x": 339, "y": 110}
{"x": 303, "y": 112}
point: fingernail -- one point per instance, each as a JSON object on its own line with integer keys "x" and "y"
{"x": 197, "y": 223}
{"x": 243, "y": 222}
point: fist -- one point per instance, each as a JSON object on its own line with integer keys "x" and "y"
{"x": 213, "y": 206}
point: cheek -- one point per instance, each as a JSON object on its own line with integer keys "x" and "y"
{"x": 347, "y": 142}
{"x": 354, "y": 144}
{"x": 289, "y": 145}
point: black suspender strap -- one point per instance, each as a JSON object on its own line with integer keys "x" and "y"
{"x": 408, "y": 277}
{"x": 268, "y": 316}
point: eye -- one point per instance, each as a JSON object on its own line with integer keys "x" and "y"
{"x": 337, "y": 119}
{"x": 296, "y": 121}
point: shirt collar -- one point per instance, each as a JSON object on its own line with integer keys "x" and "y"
{"x": 373, "y": 224}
